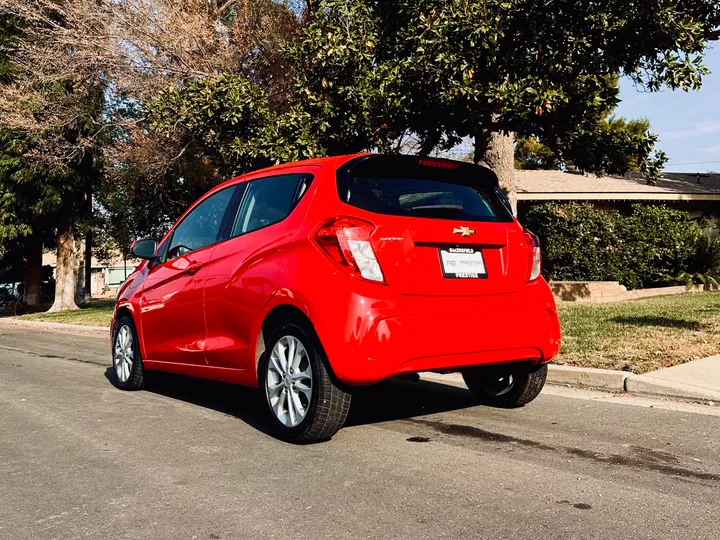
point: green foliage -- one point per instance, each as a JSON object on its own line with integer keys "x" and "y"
{"x": 605, "y": 149}
{"x": 341, "y": 101}
{"x": 10, "y": 31}
{"x": 636, "y": 127}
{"x": 226, "y": 119}
{"x": 643, "y": 248}
{"x": 532, "y": 154}
{"x": 448, "y": 69}
{"x": 28, "y": 189}
{"x": 703, "y": 266}
{"x": 348, "y": 94}
{"x": 619, "y": 145}
{"x": 132, "y": 205}
{"x": 366, "y": 73}
{"x": 49, "y": 162}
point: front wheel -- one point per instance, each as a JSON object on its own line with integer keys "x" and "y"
{"x": 509, "y": 385}
{"x": 127, "y": 364}
{"x": 305, "y": 404}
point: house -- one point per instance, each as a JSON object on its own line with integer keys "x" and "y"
{"x": 106, "y": 276}
{"x": 697, "y": 193}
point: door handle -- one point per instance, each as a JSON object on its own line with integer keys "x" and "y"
{"x": 194, "y": 267}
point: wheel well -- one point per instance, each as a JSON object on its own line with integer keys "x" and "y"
{"x": 282, "y": 314}
{"x": 121, "y": 312}
{"x": 287, "y": 313}
{"x": 277, "y": 316}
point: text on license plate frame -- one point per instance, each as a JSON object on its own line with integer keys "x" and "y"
{"x": 449, "y": 259}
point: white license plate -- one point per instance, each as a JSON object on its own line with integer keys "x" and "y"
{"x": 464, "y": 263}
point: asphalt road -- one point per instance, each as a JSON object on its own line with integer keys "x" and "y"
{"x": 192, "y": 459}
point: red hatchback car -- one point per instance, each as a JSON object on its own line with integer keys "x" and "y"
{"x": 309, "y": 278}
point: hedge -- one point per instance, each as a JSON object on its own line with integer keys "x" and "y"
{"x": 646, "y": 247}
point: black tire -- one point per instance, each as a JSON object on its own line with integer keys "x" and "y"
{"x": 136, "y": 378}
{"x": 329, "y": 405}
{"x": 508, "y": 386}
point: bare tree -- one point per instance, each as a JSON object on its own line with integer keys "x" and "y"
{"x": 136, "y": 48}
{"x": 111, "y": 56}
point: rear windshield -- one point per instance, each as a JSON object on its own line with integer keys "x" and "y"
{"x": 419, "y": 197}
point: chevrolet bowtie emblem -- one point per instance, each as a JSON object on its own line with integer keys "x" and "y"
{"x": 465, "y": 231}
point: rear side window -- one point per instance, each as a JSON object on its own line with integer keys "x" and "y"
{"x": 268, "y": 201}
{"x": 429, "y": 192}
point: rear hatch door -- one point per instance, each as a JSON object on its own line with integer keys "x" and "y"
{"x": 442, "y": 227}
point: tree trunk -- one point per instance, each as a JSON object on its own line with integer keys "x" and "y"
{"x": 496, "y": 150}
{"x": 88, "y": 246}
{"x": 88, "y": 265}
{"x": 66, "y": 269}
{"x": 33, "y": 270}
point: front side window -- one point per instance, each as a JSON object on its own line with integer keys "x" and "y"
{"x": 201, "y": 227}
{"x": 268, "y": 201}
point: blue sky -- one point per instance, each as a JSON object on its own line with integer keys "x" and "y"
{"x": 688, "y": 123}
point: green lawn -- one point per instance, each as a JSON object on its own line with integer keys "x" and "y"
{"x": 98, "y": 313}
{"x": 647, "y": 334}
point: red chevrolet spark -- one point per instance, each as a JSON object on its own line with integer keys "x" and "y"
{"x": 310, "y": 278}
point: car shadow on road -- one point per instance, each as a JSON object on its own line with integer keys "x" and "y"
{"x": 370, "y": 405}
{"x": 401, "y": 400}
{"x": 239, "y": 401}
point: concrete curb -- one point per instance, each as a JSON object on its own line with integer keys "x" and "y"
{"x": 621, "y": 381}
{"x": 607, "y": 380}
{"x": 95, "y": 330}
{"x": 599, "y": 379}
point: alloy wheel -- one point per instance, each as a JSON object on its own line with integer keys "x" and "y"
{"x": 124, "y": 353}
{"x": 288, "y": 381}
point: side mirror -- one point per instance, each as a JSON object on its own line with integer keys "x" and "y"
{"x": 144, "y": 249}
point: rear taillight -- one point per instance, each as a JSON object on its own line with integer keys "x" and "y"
{"x": 347, "y": 242}
{"x": 534, "y": 256}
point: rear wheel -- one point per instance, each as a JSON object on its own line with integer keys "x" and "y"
{"x": 127, "y": 364}
{"x": 305, "y": 405}
{"x": 509, "y": 385}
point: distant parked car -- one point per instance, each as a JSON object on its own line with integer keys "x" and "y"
{"x": 310, "y": 278}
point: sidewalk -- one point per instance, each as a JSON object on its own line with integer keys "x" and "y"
{"x": 697, "y": 381}
{"x": 700, "y": 378}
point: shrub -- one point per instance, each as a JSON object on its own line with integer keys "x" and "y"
{"x": 703, "y": 266}
{"x": 646, "y": 247}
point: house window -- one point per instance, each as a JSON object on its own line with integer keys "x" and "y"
{"x": 116, "y": 275}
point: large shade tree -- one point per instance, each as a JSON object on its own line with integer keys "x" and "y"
{"x": 445, "y": 70}
{"x": 370, "y": 74}
{"x": 29, "y": 188}
{"x": 84, "y": 69}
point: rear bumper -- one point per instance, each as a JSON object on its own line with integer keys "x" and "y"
{"x": 385, "y": 334}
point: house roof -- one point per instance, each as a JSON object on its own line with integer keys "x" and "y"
{"x": 559, "y": 185}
